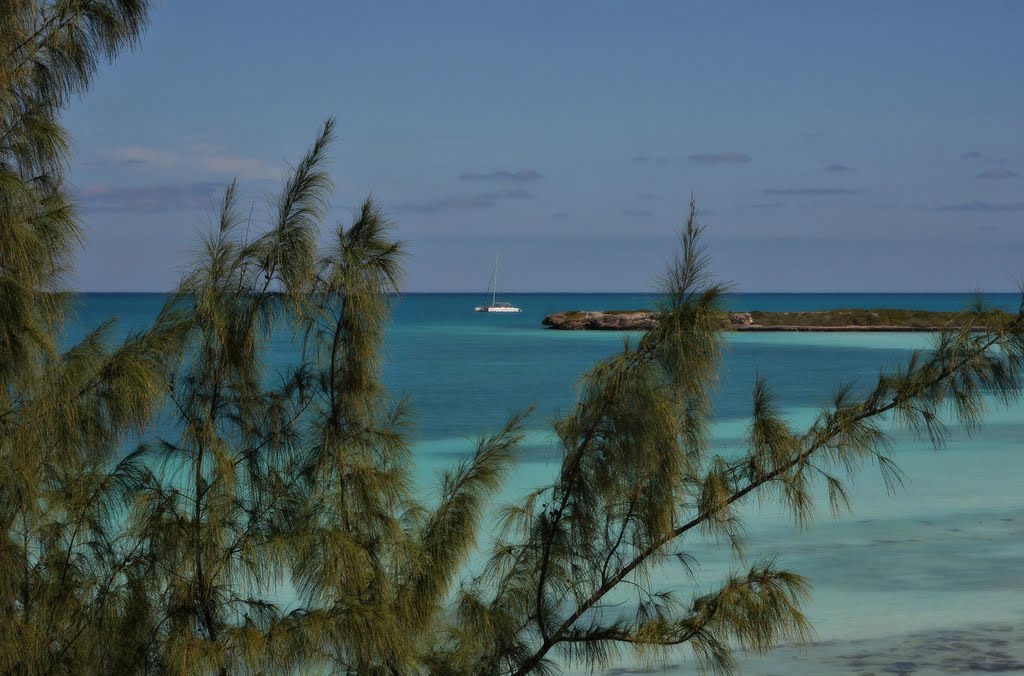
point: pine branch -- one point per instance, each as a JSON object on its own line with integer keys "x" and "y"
{"x": 823, "y": 439}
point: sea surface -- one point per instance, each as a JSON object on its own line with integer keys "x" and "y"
{"x": 925, "y": 581}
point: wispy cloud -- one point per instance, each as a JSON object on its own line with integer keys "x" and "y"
{"x": 971, "y": 155}
{"x": 837, "y": 168}
{"x": 559, "y": 215}
{"x": 479, "y": 201}
{"x": 812, "y": 192}
{"x": 144, "y": 156}
{"x": 998, "y": 172}
{"x": 105, "y": 198}
{"x": 504, "y": 175}
{"x": 654, "y": 159}
{"x": 979, "y": 206}
{"x": 721, "y": 158}
{"x": 108, "y": 162}
{"x": 638, "y": 213}
{"x": 202, "y": 157}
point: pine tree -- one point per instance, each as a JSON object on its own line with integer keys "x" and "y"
{"x": 638, "y": 483}
{"x": 64, "y": 410}
{"x": 302, "y": 475}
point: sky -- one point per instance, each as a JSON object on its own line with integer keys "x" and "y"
{"x": 868, "y": 146}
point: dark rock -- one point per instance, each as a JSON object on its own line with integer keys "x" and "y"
{"x": 602, "y": 321}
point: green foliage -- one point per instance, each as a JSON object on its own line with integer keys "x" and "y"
{"x": 638, "y": 483}
{"x": 66, "y": 585}
{"x": 881, "y": 317}
{"x": 270, "y": 524}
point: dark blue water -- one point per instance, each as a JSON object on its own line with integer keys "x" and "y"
{"x": 466, "y": 371}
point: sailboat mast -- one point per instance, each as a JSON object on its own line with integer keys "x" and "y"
{"x": 494, "y": 289}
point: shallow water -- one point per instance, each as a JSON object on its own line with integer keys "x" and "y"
{"x": 924, "y": 581}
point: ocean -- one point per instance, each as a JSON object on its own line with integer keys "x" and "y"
{"x": 927, "y": 580}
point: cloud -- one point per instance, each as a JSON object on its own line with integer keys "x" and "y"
{"x": 479, "y": 201}
{"x": 766, "y": 205}
{"x": 811, "y": 192}
{"x": 837, "y": 168}
{"x": 504, "y": 175}
{"x": 152, "y": 199}
{"x": 721, "y": 158}
{"x": 143, "y": 155}
{"x": 655, "y": 159}
{"x": 638, "y": 213}
{"x": 972, "y": 155}
{"x": 998, "y": 172}
{"x": 560, "y": 215}
{"x": 978, "y": 206}
{"x": 201, "y": 157}
{"x": 106, "y": 163}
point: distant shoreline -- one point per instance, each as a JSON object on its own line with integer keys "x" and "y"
{"x": 880, "y": 320}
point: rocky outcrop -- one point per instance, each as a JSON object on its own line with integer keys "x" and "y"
{"x": 826, "y": 320}
{"x": 640, "y": 320}
{"x": 740, "y": 319}
{"x": 618, "y": 320}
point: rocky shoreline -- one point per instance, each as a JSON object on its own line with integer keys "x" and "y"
{"x": 882, "y": 320}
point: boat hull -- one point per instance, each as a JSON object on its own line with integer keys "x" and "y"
{"x": 493, "y": 308}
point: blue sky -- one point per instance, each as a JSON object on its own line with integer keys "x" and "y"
{"x": 860, "y": 146}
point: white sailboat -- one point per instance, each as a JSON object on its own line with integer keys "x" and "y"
{"x": 496, "y": 305}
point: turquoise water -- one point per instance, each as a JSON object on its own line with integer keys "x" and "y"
{"x": 925, "y": 581}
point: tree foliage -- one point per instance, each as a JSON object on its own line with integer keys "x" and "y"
{"x": 638, "y": 483}
{"x": 64, "y": 410}
{"x": 173, "y": 505}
